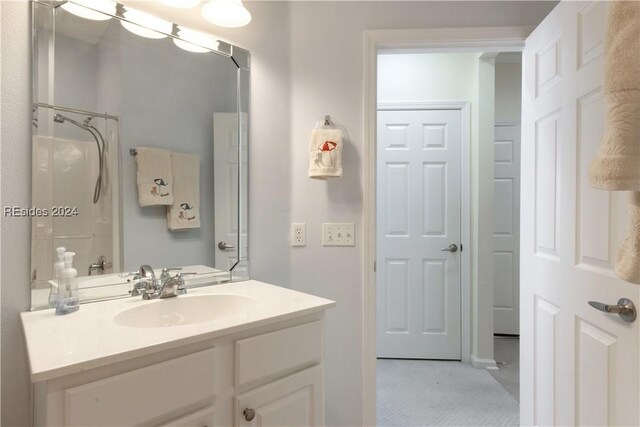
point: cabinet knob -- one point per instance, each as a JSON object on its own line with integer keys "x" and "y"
{"x": 249, "y": 414}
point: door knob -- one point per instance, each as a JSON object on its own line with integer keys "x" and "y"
{"x": 625, "y": 309}
{"x": 249, "y": 414}
{"x": 451, "y": 248}
{"x": 223, "y": 246}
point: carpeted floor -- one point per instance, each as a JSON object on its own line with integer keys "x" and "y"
{"x": 506, "y": 352}
{"x": 441, "y": 393}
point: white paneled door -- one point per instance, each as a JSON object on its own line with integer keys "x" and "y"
{"x": 579, "y": 366}
{"x": 418, "y": 214}
{"x": 226, "y": 179}
{"x": 506, "y": 221}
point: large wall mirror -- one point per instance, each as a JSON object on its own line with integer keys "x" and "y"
{"x": 140, "y": 131}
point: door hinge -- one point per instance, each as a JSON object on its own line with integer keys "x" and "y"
{"x": 461, "y": 249}
{"x": 374, "y": 266}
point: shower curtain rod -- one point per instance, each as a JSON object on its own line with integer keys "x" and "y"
{"x": 76, "y": 111}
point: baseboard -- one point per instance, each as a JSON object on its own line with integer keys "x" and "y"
{"x": 483, "y": 363}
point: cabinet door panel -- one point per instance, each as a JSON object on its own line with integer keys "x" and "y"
{"x": 296, "y": 400}
{"x": 202, "y": 418}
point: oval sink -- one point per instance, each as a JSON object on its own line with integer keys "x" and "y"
{"x": 184, "y": 310}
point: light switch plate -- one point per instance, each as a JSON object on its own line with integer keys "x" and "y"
{"x": 298, "y": 234}
{"x": 338, "y": 234}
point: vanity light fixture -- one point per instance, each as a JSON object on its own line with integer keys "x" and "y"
{"x": 226, "y": 13}
{"x": 91, "y": 9}
{"x": 195, "y": 41}
{"x": 143, "y": 24}
{"x": 181, "y": 4}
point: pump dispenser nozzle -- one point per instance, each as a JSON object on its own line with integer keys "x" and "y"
{"x": 68, "y": 259}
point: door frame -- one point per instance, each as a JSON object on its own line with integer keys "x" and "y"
{"x": 465, "y": 203}
{"x": 470, "y": 39}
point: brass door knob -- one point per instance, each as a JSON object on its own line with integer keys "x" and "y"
{"x": 249, "y": 414}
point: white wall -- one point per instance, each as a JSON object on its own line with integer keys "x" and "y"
{"x": 508, "y": 91}
{"x": 306, "y": 61}
{"x": 406, "y": 77}
{"x": 482, "y": 219}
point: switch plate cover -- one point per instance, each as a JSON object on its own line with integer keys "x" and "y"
{"x": 338, "y": 234}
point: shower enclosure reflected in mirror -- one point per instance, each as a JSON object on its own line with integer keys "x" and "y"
{"x": 107, "y": 82}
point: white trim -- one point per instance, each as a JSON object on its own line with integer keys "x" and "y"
{"x": 482, "y": 39}
{"x": 483, "y": 363}
{"x": 465, "y": 209}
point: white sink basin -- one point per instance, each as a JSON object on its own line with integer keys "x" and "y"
{"x": 184, "y": 310}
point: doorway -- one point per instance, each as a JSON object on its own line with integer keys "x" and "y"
{"x": 435, "y": 112}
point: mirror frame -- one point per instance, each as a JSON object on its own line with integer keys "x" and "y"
{"x": 242, "y": 60}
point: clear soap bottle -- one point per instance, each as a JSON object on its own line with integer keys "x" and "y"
{"x": 58, "y": 268}
{"x": 68, "y": 292}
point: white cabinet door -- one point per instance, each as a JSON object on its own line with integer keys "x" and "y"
{"x": 419, "y": 203}
{"x": 294, "y": 401}
{"x": 506, "y": 237}
{"x": 579, "y": 366}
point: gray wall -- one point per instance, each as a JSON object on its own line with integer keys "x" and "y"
{"x": 15, "y": 152}
{"x": 306, "y": 61}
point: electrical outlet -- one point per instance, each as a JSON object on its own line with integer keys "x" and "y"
{"x": 298, "y": 234}
{"x": 338, "y": 234}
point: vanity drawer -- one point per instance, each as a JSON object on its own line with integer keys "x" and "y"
{"x": 143, "y": 394}
{"x": 278, "y": 352}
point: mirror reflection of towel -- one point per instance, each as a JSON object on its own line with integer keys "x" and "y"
{"x": 184, "y": 213}
{"x": 155, "y": 181}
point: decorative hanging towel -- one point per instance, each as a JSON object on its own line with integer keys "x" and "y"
{"x": 155, "y": 181}
{"x": 628, "y": 259}
{"x": 325, "y": 154}
{"x": 617, "y": 165}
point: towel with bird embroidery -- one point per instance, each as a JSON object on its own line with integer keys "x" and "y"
{"x": 325, "y": 154}
{"x": 184, "y": 213}
{"x": 154, "y": 177}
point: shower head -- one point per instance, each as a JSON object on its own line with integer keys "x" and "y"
{"x": 59, "y": 118}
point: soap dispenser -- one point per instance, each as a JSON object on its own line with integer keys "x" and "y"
{"x": 58, "y": 268}
{"x": 68, "y": 292}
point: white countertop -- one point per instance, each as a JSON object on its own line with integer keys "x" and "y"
{"x": 89, "y": 338}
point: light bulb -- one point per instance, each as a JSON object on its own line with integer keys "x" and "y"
{"x": 194, "y": 41}
{"x": 145, "y": 25}
{"x": 226, "y": 13}
{"x": 181, "y": 4}
{"x": 96, "y": 10}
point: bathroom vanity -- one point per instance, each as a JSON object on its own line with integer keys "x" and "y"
{"x": 238, "y": 354}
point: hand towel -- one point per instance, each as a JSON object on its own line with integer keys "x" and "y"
{"x": 628, "y": 259}
{"x": 325, "y": 154}
{"x": 184, "y": 213}
{"x": 617, "y": 165}
{"x": 155, "y": 182}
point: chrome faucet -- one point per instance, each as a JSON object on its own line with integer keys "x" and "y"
{"x": 166, "y": 286}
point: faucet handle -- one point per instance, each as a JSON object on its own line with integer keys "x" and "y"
{"x": 165, "y": 272}
{"x": 181, "y": 289}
